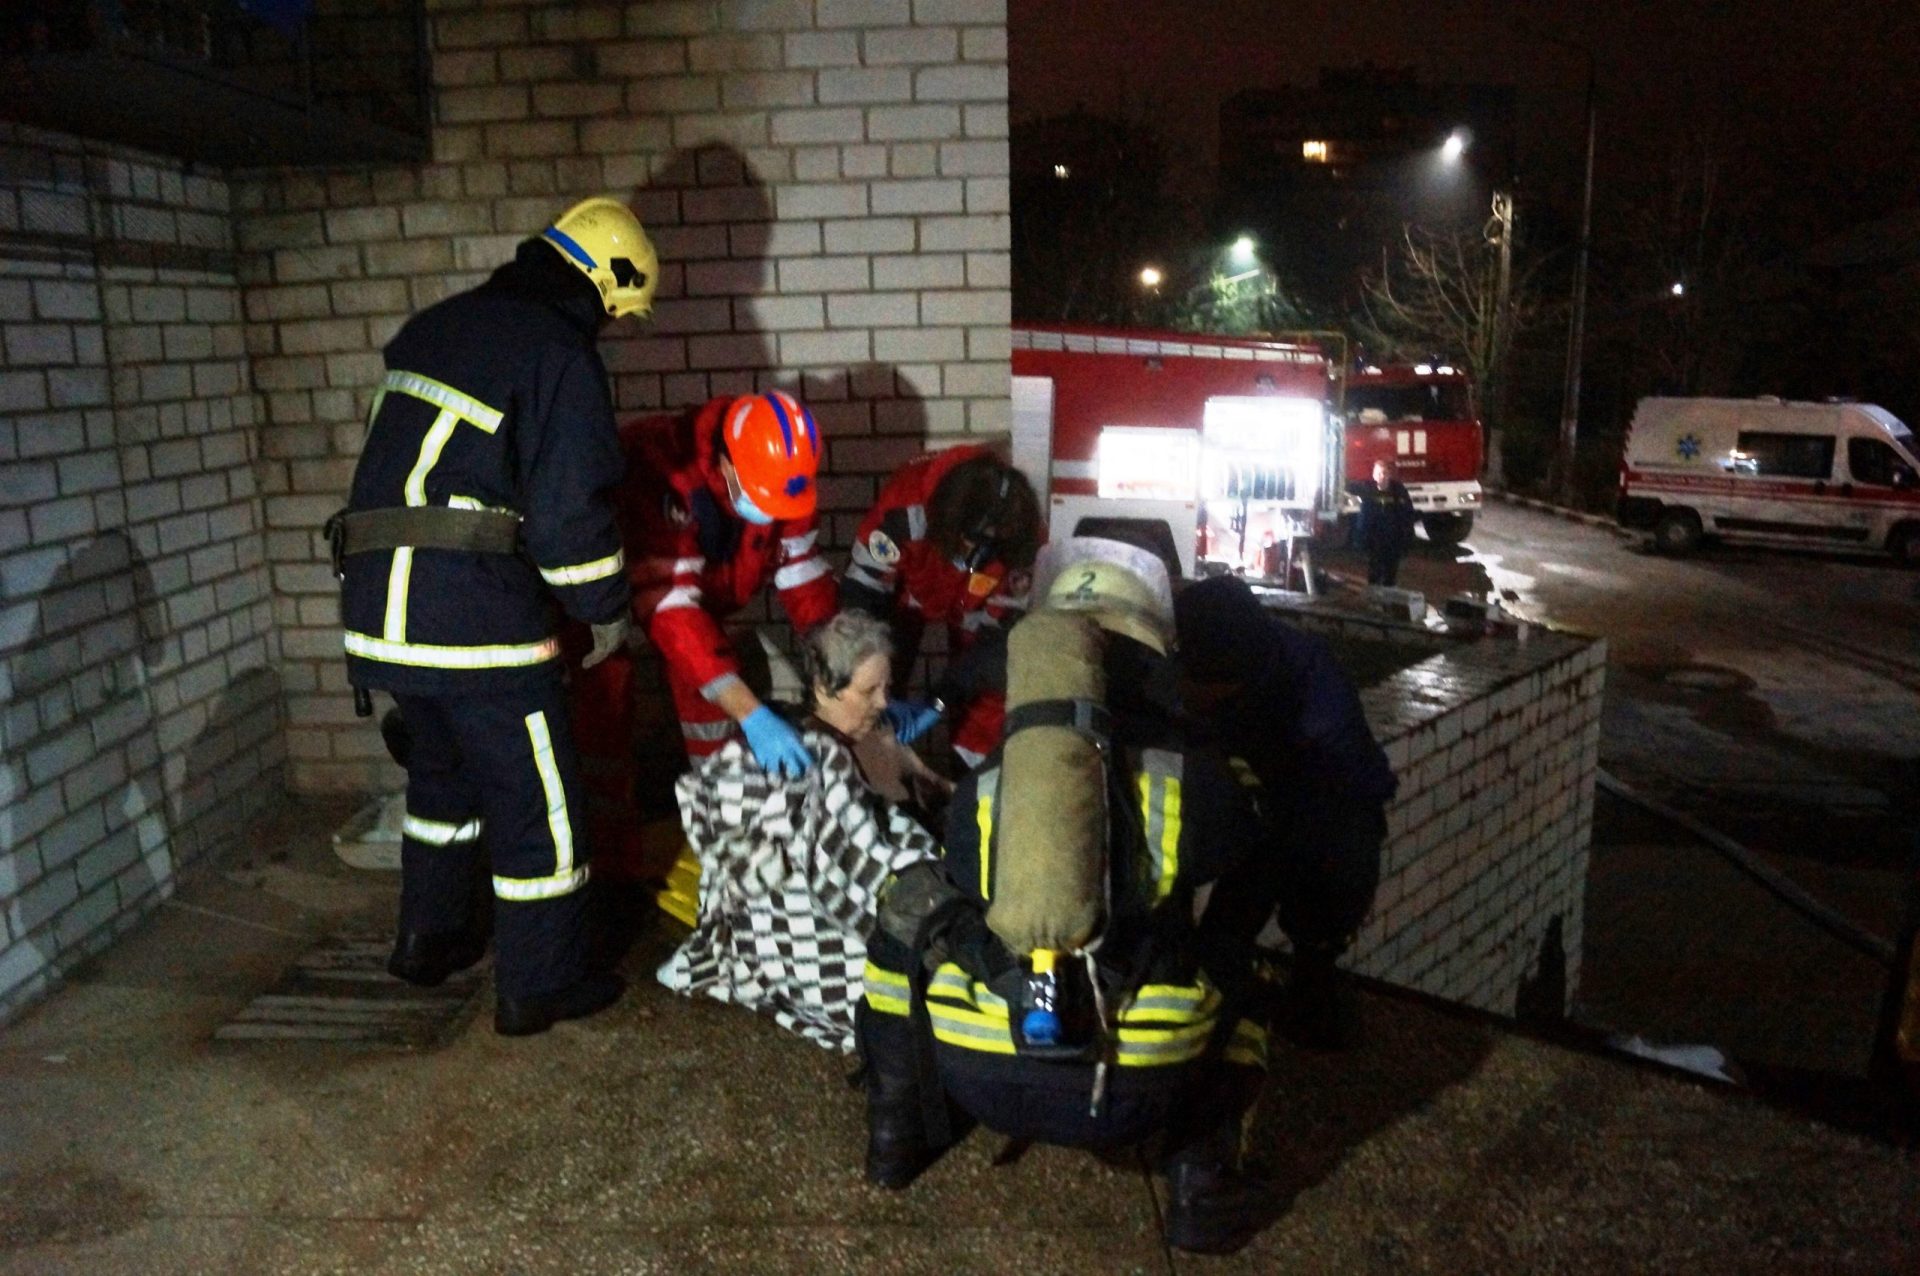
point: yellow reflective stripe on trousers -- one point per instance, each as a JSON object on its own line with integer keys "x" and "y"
{"x": 969, "y": 1029}
{"x": 446, "y": 398}
{"x": 566, "y": 878}
{"x": 887, "y": 990}
{"x": 581, "y": 573}
{"x": 439, "y": 832}
{"x": 428, "y": 656}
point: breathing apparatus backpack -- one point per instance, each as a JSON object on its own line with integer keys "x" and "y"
{"x": 1068, "y": 834}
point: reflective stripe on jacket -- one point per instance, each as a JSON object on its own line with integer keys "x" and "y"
{"x": 493, "y": 399}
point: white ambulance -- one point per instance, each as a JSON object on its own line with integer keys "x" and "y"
{"x": 1774, "y": 472}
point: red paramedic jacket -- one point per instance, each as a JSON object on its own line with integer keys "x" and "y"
{"x": 693, "y": 562}
{"x": 896, "y": 568}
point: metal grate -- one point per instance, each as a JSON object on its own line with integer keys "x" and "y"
{"x": 341, "y": 994}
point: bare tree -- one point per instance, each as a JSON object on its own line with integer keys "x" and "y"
{"x": 1440, "y": 295}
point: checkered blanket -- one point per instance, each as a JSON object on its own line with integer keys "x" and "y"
{"x": 790, "y": 871}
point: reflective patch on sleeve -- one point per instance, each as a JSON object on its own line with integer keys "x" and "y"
{"x": 582, "y": 573}
{"x": 881, "y": 546}
{"x": 795, "y": 575}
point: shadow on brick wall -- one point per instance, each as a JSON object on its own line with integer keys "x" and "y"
{"x": 86, "y": 827}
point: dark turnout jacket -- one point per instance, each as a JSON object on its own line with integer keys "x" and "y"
{"x": 494, "y": 399}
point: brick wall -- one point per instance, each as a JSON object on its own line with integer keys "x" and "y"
{"x": 1496, "y": 743}
{"x": 141, "y": 723}
{"x": 827, "y": 184}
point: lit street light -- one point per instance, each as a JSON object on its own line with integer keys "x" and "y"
{"x": 1679, "y": 288}
{"x": 1454, "y": 147}
{"x": 1150, "y": 276}
{"x": 1243, "y": 250}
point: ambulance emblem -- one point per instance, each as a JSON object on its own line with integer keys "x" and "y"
{"x": 881, "y": 546}
{"x": 1689, "y": 446}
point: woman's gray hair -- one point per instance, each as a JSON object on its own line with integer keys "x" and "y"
{"x": 830, "y": 654}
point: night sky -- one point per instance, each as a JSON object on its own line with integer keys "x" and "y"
{"x": 1814, "y": 104}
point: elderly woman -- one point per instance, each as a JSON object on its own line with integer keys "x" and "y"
{"x": 789, "y": 868}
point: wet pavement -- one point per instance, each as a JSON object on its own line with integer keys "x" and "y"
{"x": 672, "y": 1136}
{"x": 1772, "y": 695}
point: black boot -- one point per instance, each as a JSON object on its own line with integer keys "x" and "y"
{"x": 1213, "y": 1207}
{"x": 899, "y": 1146}
{"x": 525, "y": 1016}
{"x": 427, "y": 960}
{"x": 1320, "y": 1011}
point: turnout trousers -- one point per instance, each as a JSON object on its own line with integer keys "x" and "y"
{"x": 498, "y": 771}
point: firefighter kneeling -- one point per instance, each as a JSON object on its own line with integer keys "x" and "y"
{"x": 1047, "y": 978}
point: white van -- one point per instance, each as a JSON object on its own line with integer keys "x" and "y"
{"x": 1775, "y": 472}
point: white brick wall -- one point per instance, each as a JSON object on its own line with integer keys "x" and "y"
{"x": 1496, "y": 744}
{"x": 826, "y": 180}
{"x": 141, "y": 724}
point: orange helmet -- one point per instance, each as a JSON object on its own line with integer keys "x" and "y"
{"x": 775, "y": 449}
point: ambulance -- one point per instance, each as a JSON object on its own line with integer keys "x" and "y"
{"x": 1772, "y": 472}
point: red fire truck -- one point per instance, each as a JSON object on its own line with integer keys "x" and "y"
{"x": 1423, "y": 418}
{"x": 1215, "y": 451}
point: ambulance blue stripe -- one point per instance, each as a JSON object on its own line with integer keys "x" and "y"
{"x": 564, "y": 242}
{"x": 786, "y": 426}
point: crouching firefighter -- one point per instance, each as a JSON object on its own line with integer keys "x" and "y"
{"x": 481, "y": 507}
{"x": 1047, "y": 978}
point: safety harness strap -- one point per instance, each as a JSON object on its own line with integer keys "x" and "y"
{"x": 1088, "y": 717}
{"x": 352, "y": 532}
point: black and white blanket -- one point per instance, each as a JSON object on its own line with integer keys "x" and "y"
{"x": 790, "y": 873}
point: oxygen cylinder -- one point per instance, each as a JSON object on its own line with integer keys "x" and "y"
{"x": 1050, "y": 832}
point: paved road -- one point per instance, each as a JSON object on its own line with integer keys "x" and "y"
{"x": 1775, "y": 696}
{"x": 1777, "y": 691}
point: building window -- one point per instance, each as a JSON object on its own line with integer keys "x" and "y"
{"x": 1061, "y": 171}
{"x": 1313, "y": 152}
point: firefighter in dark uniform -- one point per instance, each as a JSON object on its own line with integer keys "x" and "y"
{"x": 950, "y": 542}
{"x": 1274, "y": 696}
{"x": 940, "y": 1026}
{"x": 1385, "y": 526}
{"x": 480, "y": 510}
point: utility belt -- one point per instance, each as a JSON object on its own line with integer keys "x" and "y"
{"x": 351, "y": 532}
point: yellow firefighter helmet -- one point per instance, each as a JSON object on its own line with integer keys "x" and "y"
{"x": 604, "y": 240}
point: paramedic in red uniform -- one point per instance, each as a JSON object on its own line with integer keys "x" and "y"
{"x": 717, "y": 503}
{"x": 949, "y": 542}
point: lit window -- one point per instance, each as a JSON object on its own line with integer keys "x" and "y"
{"x": 1313, "y": 152}
{"x": 1060, "y": 171}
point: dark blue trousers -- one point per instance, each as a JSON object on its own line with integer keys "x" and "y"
{"x": 498, "y": 773}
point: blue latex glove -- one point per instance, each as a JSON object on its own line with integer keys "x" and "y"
{"x": 775, "y": 744}
{"x": 911, "y": 719}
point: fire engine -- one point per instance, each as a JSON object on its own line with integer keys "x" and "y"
{"x": 1423, "y": 418}
{"x": 1216, "y": 452}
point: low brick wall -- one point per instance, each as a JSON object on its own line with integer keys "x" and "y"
{"x": 1483, "y": 881}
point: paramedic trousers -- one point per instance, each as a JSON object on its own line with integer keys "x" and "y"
{"x": 501, "y": 772}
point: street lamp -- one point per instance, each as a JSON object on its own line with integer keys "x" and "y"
{"x": 1454, "y": 146}
{"x": 1243, "y": 250}
{"x": 1150, "y": 276}
{"x": 1679, "y": 288}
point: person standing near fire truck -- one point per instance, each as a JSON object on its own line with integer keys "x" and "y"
{"x": 482, "y": 498}
{"x": 717, "y": 503}
{"x": 950, "y": 541}
{"x": 1386, "y": 523}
